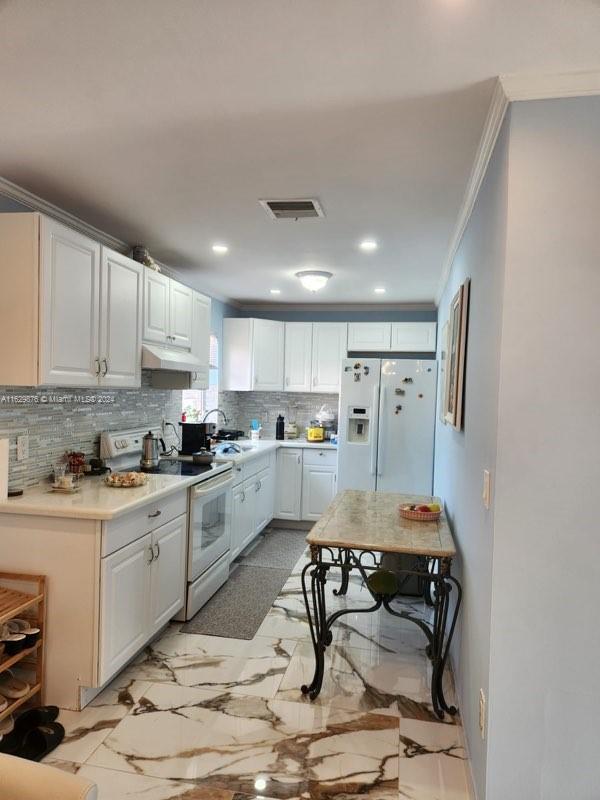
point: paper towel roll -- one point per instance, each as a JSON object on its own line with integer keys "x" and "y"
{"x": 3, "y": 469}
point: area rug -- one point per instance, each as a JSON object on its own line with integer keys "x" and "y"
{"x": 237, "y": 610}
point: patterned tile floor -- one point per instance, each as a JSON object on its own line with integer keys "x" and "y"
{"x": 198, "y": 717}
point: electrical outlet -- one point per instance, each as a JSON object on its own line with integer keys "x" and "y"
{"x": 486, "y": 494}
{"x": 482, "y": 712}
{"x": 22, "y": 447}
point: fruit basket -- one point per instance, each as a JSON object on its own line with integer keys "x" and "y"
{"x": 418, "y": 512}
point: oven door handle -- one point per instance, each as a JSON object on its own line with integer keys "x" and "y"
{"x": 201, "y": 490}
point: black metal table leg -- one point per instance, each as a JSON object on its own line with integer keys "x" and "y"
{"x": 317, "y": 621}
{"x": 346, "y": 569}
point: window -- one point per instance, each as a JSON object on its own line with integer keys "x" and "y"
{"x": 196, "y": 402}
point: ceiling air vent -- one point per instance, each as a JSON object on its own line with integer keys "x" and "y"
{"x": 292, "y": 209}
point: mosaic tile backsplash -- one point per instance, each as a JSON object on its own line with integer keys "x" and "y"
{"x": 59, "y": 419}
{"x": 242, "y": 407}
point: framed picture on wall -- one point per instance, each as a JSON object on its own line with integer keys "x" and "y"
{"x": 443, "y": 364}
{"x": 455, "y": 359}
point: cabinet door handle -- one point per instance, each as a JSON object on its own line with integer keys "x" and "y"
{"x": 97, "y": 362}
{"x": 156, "y": 551}
{"x": 105, "y": 362}
{"x": 157, "y": 513}
{"x": 258, "y": 486}
{"x": 243, "y": 497}
{"x": 299, "y": 458}
{"x": 287, "y": 381}
{"x": 151, "y": 551}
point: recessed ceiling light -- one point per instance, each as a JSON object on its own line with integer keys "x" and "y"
{"x": 220, "y": 248}
{"x": 368, "y": 245}
{"x": 313, "y": 279}
{"x": 275, "y": 291}
{"x": 379, "y": 290}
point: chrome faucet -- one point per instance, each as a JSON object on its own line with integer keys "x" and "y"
{"x": 218, "y": 410}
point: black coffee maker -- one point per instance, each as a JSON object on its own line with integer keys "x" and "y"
{"x": 196, "y": 436}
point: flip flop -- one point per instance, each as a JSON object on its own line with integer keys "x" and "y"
{"x": 12, "y": 687}
{"x": 41, "y": 741}
{"x": 34, "y": 717}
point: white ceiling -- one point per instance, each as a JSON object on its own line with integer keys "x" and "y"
{"x": 164, "y": 122}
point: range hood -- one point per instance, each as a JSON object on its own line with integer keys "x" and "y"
{"x": 156, "y": 357}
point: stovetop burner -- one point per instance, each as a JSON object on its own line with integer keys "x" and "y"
{"x": 172, "y": 466}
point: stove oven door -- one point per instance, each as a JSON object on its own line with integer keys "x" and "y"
{"x": 210, "y": 523}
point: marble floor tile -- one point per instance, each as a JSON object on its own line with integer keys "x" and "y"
{"x": 364, "y": 680}
{"x": 115, "y": 785}
{"x": 433, "y": 762}
{"x": 230, "y": 741}
{"x": 212, "y": 662}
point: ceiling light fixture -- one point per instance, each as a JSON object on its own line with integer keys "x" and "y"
{"x": 313, "y": 279}
{"x": 368, "y": 245}
{"x": 379, "y": 290}
{"x": 275, "y": 291}
{"x": 220, "y": 248}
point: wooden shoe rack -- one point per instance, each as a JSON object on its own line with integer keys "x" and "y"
{"x": 29, "y": 600}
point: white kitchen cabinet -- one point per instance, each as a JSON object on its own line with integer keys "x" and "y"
{"x": 289, "y": 483}
{"x": 156, "y": 307}
{"x": 318, "y": 489}
{"x": 264, "y": 483}
{"x": 369, "y": 336}
{"x": 298, "y": 356}
{"x": 329, "y": 347}
{"x": 167, "y": 581}
{"x": 413, "y": 337}
{"x": 121, "y": 299}
{"x": 181, "y": 301}
{"x": 168, "y": 311}
{"x": 125, "y": 580}
{"x": 252, "y": 355}
{"x": 69, "y": 306}
{"x": 201, "y": 340}
{"x": 244, "y": 514}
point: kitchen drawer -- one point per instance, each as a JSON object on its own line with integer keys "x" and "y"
{"x": 203, "y": 588}
{"x": 319, "y": 457}
{"x": 245, "y": 470}
{"x": 117, "y": 533}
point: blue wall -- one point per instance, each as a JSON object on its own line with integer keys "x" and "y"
{"x": 317, "y": 313}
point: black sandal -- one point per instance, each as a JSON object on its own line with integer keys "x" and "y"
{"x": 34, "y": 717}
{"x": 41, "y": 741}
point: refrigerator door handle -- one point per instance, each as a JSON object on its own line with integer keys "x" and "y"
{"x": 374, "y": 426}
{"x": 381, "y": 420}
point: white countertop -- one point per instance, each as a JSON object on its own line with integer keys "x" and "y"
{"x": 96, "y": 500}
{"x": 252, "y": 449}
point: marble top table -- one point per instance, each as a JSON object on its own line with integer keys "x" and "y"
{"x": 363, "y": 531}
{"x": 362, "y": 520}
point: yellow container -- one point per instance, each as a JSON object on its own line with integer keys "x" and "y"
{"x": 315, "y": 434}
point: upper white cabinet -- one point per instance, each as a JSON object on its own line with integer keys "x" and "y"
{"x": 369, "y": 336}
{"x": 201, "y": 339}
{"x": 180, "y": 314}
{"x": 156, "y": 307}
{"x": 76, "y": 307}
{"x": 329, "y": 347}
{"x": 298, "y": 356}
{"x": 121, "y": 296}
{"x": 252, "y": 355}
{"x": 413, "y": 337}
{"x": 69, "y": 306}
{"x": 168, "y": 311}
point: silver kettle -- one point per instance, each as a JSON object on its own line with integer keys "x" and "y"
{"x": 150, "y": 455}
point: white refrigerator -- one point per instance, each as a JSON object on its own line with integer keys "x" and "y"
{"x": 386, "y": 425}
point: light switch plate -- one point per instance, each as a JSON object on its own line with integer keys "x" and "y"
{"x": 486, "y": 495}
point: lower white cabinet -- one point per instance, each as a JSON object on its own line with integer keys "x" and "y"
{"x": 142, "y": 588}
{"x": 244, "y": 509}
{"x": 318, "y": 490}
{"x": 289, "y": 483}
{"x": 264, "y": 490}
{"x": 168, "y": 571}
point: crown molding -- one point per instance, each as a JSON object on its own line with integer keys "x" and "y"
{"x": 36, "y": 203}
{"x": 551, "y": 87}
{"x": 491, "y": 129}
{"x": 509, "y": 89}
